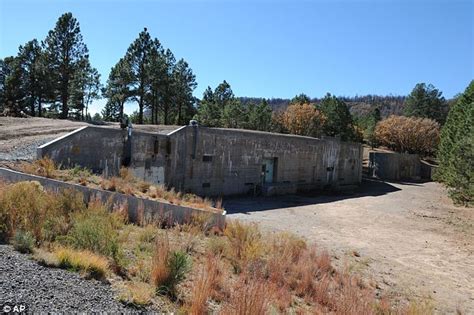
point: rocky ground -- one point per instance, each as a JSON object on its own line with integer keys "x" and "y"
{"x": 43, "y": 289}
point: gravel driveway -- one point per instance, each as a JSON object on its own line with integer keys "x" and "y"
{"x": 42, "y": 289}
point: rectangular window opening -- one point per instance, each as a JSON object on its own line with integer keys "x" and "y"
{"x": 207, "y": 158}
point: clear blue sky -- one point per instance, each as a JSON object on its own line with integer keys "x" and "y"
{"x": 275, "y": 48}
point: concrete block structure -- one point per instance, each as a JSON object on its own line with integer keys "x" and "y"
{"x": 399, "y": 166}
{"x": 214, "y": 161}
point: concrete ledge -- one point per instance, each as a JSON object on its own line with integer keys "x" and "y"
{"x": 152, "y": 210}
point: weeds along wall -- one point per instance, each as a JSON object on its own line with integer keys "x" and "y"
{"x": 214, "y": 161}
{"x": 105, "y": 150}
{"x": 139, "y": 209}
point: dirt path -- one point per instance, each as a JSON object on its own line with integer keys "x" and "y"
{"x": 408, "y": 237}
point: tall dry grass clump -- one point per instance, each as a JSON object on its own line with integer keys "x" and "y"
{"x": 169, "y": 267}
{"x": 42, "y": 167}
{"x": 251, "y": 294}
{"x": 205, "y": 286}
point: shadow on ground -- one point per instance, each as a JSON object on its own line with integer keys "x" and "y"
{"x": 368, "y": 187}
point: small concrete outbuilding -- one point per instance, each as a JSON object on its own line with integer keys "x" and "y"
{"x": 214, "y": 161}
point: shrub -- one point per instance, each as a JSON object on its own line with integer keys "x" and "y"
{"x": 245, "y": 242}
{"x": 408, "y": 134}
{"x": 169, "y": 268}
{"x": 93, "y": 265}
{"x": 23, "y": 242}
{"x": 456, "y": 150}
{"x": 301, "y": 119}
{"x": 95, "y": 229}
{"x": 24, "y": 206}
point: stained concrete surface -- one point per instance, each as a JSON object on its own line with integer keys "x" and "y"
{"x": 409, "y": 237}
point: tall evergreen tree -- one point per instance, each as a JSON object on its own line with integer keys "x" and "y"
{"x": 427, "y": 102}
{"x": 185, "y": 83}
{"x": 13, "y": 95}
{"x": 30, "y": 57}
{"x": 211, "y": 109}
{"x": 338, "y": 119}
{"x": 118, "y": 90}
{"x": 85, "y": 87}
{"x": 65, "y": 51}
{"x": 259, "y": 116}
{"x": 456, "y": 149}
{"x": 300, "y": 99}
{"x": 138, "y": 56}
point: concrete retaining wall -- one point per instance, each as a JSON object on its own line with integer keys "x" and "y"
{"x": 395, "y": 166}
{"x": 152, "y": 210}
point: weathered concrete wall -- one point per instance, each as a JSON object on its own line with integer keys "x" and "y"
{"x": 148, "y": 156}
{"x": 395, "y": 166}
{"x": 213, "y": 161}
{"x": 152, "y": 210}
{"x": 99, "y": 149}
{"x": 104, "y": 150}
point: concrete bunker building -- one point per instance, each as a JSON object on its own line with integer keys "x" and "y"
{"x": 213, "y": 161}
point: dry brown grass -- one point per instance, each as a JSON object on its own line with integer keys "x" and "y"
{"x": 205, "y": 286}
{"x": 138, "y": 294}
{"x": 251, "y": 294}
{"x": 93, "y": 265}
{"x": 125, "y": 183}
{"x": 159, "y": 270}
{"x": 43, "y": 167}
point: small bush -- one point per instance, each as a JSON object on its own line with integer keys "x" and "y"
{"x": 24, "y": 206}
{"x": 245, "y": 242}
{"x": 23, "y": 241}
{"x": 147, "y": 234}
{"x": 408, "y": 134}
{"x": 96, "y": 230}
{"x": 93, "y": 265}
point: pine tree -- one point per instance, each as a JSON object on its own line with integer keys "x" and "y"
{"x": 85, "y": 87}
{"x": 338, "y": 119}
{"x": 65, "y": 51}
{"x": 212, "y": 110}
{"x": 259, "y": 116}
{"x": 118, "y": 89}
{"x": 300, "y": 99}
{"x": 456, "y": 149}
{"x": 426, "y": 101}
{"x": 13, "y": 95}
{"x": 138, "y": 56}
{"x": 30, "y": 57}
{"x": 184, "y": 84}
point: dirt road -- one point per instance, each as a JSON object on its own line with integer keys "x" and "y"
{"x": 408, "y": 237}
